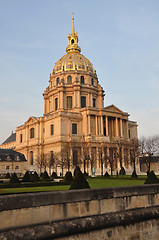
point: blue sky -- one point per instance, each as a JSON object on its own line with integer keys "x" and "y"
{"x": 119, "y": 37}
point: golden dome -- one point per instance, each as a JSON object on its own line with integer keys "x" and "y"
{"x": 73, "y": 60}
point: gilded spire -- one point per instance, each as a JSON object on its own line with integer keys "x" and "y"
{"x": 73, "y": 39}
{"x": 73, "y": 27}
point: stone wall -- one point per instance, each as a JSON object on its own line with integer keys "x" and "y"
{"x": 108, "y": 211}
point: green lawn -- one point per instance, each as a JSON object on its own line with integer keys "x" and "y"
{"x": 102, "y": 183}
{"x": 93, "y": 182}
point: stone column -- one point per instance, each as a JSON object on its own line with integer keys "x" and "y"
{"x": 106, "y": 125}
{"x": 71, "y": 158}
{"x": 78, "y": 99}
{"x": 91, "y": 102}
{"x": 75, "y": 99}
{"x": 96, "y": 117}
{"x": 127, "y": 129}
{"x": 121, "y": 128}
{"x": 101, "y": 125}
{"x": 122, "y": 157}
{"x": 59, "y": 106}
{"x": 88, "y": 124}
{"x": 116, "y": 127}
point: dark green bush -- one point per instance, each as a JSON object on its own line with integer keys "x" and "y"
{"x": 54, "y": 175}
{"x": 14, "y": 178}
{"x": 151, "y": 178}
{"x": 79, "y": 181}
{"x": 134, "y": 174}
{"x": 68, "y": 177}
{"x": 35, "y": 177}
{"x": 106, "y": 175}
{"x": 122, "y": 171}
{"x": 7, "y": 176}
{"x": 45, "y": 175}
{"x": 26, "y": 177}
{"x": 77, "y": 171}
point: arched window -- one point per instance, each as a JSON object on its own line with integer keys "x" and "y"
{"x": 57, "y": 81}
{"x": 82, "y": 80}
{"x": 69, "y": 102}
{"x": 32, "y": 133}
{"x": 69, "y": 80}
{"x": 31, "y": 158}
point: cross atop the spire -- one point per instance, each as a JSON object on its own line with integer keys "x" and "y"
{"x": 73, "y": 27}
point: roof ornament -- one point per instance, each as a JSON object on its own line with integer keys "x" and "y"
{"x": 73, "y": 39}
{"x": 73, "y": 27}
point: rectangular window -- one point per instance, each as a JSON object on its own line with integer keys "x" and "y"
{"x": 56, "y": 103}
{"x": 52, "y": 129}
{"x": 129, "y": 133}
{"x": 7, "y": 167}
{"x": 94, "y": 102}
{"x": 16, "y": 167}
{"x": 83, "y": 102}
{"x": 21, "y": 138}
{"x": 69, "y": 102}
{"x": 74, "y": 128}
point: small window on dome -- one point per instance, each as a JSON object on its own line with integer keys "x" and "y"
{"x": 57, "y": 81}
{"x": 69, "y": 80}
{"x": 82, "y": 80}
{"x": 92, "y": 81}
{"x": 72, "y": 42}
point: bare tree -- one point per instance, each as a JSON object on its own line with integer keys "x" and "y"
{"x": 134, "y": 152}
{"x": 66, "y": 155}
{"x": 52, "y": 162}
{"x": 41, "y": 161}
{"x": 86, "y": 156}
{"x": 149, "y": 147}
{"x": 61, "y": 163}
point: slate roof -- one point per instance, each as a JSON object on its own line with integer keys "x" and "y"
{"x": 11, "y": 138}
{"x": 14, "y": 156}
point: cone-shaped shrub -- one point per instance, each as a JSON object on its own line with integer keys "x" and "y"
{"x": 79, "y": 181}
{"x": 134, "y": 174}
{"x": 54, "y": 175}
{"x": 106, "y": 175}
{"x": 45, "y": 175}
{"x": 77, "y": 171}
{"x": 7, "y": 176}
{"x": 26, "y": 177}
{"x": 68, "y": 177}
{"x": 151, "y": 178}
{"x": 14, "y": 178}
{"x": 35, "y": 177}
{"x": 122, "y": 171}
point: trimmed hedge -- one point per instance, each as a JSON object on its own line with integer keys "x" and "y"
{"x": 14, "y": 178}
{"x": 32, "y": 184}
{"x": 68, "y": 177}
{"x": 151, "y": 178}
{"x": 79, "y": 181}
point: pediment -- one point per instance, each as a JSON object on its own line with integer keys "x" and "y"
{"x": 31, "y": 120}
{"x": 113, "y": 108}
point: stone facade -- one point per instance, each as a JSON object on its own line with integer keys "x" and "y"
{"x": 75, "y": 117}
